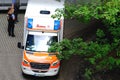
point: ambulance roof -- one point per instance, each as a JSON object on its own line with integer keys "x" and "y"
{"x": 35, "y": 6}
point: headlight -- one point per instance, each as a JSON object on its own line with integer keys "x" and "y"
{"x": 55, "y": 63}
{"x": 26, "y": 62}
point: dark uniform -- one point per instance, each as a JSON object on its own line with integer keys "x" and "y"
{"x": 16, "y": 7}
{"x": 11, "y": 24}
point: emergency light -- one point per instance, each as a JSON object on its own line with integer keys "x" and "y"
{"x": 56, "y": 24}
{"x": 30, "y": 22}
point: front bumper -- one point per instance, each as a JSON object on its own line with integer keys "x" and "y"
{"x": 50, "y": 72}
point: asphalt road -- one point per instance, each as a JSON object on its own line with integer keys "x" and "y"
{"x": 10, "y": 55}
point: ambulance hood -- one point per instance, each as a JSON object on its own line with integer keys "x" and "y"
{"x": 40, "y": 57}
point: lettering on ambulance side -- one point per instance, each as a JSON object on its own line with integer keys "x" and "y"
{"x": 42, "y": 27}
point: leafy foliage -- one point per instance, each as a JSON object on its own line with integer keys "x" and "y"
{"x": 104, "y": 53}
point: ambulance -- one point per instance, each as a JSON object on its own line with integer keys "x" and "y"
{"x": 40, "y": 32}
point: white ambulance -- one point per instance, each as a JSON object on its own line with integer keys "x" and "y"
{"x": 40, "y": 31}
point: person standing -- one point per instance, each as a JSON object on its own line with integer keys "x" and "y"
{"x": 11, "y": 22}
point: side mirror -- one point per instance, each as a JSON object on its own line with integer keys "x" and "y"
{"x": 20, "y": 46}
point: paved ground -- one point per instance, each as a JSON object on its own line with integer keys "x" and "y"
{"x": 10, "y": 55}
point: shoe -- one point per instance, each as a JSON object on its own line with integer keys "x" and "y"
{"x": 13, "y": 35}
{"x": 9, "y": 34}
{"x": 17, "y": 21}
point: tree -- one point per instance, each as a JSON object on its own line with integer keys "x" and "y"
{"x": 103, "y": 53}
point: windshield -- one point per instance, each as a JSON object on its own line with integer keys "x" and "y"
{"x": 39, "y": 42}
